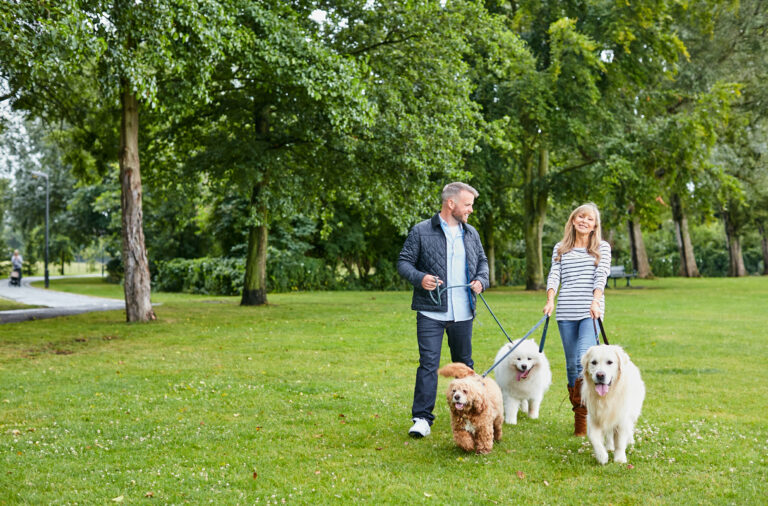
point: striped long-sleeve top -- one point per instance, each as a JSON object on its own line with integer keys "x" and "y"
{"x": 577, "y": 276}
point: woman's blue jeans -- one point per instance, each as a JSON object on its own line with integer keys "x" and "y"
{"x": 577, "y": 337}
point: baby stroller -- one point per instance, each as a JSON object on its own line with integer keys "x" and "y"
{"x": 15, "y": 278}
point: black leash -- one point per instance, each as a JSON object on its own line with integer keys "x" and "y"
{"x": 602, "y": 331}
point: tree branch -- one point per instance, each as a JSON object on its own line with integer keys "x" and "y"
{"x": 385, "y": 42}
{"x": 585, "y": 163}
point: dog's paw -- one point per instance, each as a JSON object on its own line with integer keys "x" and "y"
{"x": 620, "y": 457}
{"x": 601, "y": 456}
{"x": 510, "y": 420}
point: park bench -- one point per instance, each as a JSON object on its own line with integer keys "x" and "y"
{"x": 618, "y": 272}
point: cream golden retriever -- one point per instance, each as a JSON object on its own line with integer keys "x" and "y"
{"x": 524, "y": 377}
{"x": 477, "y": 411}
{"x": 613, "y": 392}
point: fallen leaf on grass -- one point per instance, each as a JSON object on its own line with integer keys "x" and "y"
{"x": 630, "y": 466}
{"x": 149, "y": 494}
{"x": 255, "y": 475}
{"x": 521, "y": 475}
{"x": 317, "y": 472}
{"x": 118, "y": 499}
{"x": 546, "y": 483}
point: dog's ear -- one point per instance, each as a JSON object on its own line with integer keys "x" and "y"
{"x": 478, "y": 399}
{"x": 456, "y": 370}
{"x": 585, "y": 361}
{"x": 621, "y": 359}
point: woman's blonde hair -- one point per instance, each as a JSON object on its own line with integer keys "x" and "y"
{"x": 569, "y": 235}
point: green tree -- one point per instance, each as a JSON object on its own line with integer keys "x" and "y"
{"x": 366, "y": 112}
{"x": 590, "y": 60}
{"x": 78, "y": 60}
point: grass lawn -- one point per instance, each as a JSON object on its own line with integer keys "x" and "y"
{"x": 8, "y": 305}
{"x": 307, "y": 400}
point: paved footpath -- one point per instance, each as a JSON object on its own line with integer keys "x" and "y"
{"x": 56, "y": 303}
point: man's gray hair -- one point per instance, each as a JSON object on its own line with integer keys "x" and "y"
{"x": 452, "y": 189}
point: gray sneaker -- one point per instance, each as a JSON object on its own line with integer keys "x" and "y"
{"x": 420, "y": 428}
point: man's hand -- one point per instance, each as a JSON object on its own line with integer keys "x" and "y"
{"x": 476, "y": 286}
{"x": 430, "y": 282}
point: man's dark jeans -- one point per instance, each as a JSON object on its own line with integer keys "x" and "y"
{"x": 429, "y": 333}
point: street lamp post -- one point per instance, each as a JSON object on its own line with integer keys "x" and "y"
{"x": 47, "y": 200}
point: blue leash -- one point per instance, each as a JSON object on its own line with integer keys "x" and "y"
{"x": 545, "y": 319}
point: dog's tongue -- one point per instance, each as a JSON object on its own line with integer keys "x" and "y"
{"x": 459, "y": 406}
{"x": 522, "y": 375}
{"x": 602, "y": 389}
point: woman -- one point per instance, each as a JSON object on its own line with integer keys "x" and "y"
{"x": 581, "y": 262}
{"x": 17, "y": 262}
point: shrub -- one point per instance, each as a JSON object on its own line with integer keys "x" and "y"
{"x": 286, "y": 271}
{"x": 212, "y": 276}
{"x": 289, "y": 271}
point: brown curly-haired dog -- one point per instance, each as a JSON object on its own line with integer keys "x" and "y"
{"x": 477, "y": 408}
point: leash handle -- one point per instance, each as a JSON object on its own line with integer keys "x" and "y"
{"x": 602, "y": 331}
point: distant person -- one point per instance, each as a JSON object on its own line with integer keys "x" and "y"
{"x": 443, "y": 250}
{"x": 581, "y": 262}
{"x": 16, "y": 263}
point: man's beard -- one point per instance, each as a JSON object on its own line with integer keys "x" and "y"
{"x": 459, "y": 216}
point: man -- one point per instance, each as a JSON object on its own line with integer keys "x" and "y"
{"x": 443, "y": 251}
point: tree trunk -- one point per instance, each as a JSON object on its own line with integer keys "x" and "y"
{"x": 640, "y": 262}
{"x": 735, "y": 258}
{"x": 138, "y": 307}
{"x": 764, "y": 243}
{"x": 490, "y": 249}
{"x": 255, "y": 286}
{"x": 534, "y": 213}
{"x": 688, "y": 266}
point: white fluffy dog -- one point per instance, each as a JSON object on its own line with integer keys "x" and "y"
{"x": 613, "y": 392}
{"x": 524, "y": 377}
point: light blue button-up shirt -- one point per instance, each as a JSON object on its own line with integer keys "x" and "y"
{"x": 458, "y": 298}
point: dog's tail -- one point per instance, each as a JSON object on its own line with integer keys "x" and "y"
{"x": 456, "y": 370}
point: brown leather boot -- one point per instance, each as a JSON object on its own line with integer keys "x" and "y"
{"x": 579, "y": 410}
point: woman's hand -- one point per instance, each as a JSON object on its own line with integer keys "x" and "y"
{"x": 549, "y": 307}
{"x": 594, "y": 309}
